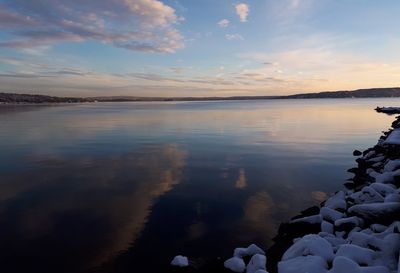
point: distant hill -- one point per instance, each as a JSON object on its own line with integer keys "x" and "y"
{"x": 28, "y": 98}
{"x": 360, "y": 93}
{"x": 6, "y": 98}
{"x": 129, "y": 98}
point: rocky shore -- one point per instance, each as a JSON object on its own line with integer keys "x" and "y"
{"x": 355, "y": 230}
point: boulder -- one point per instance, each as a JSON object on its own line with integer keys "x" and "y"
{"x": 309, "y": 264}
{"x": 257, "y": 262}
{"x": 235, "y": 264}
{"x": 356, "y": 253}
{"x": 380, "y": 213}
{"x": 310, "y": 245}
{"x": 180, "y": 261}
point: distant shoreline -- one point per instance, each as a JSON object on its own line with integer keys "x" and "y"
{"x": 25, "y": 99}
{"x": 149, "y": 101}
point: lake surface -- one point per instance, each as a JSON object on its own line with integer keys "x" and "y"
{"x": 114, "y": 187}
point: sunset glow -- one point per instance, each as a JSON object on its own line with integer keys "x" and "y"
{"x": 197, "y": 48}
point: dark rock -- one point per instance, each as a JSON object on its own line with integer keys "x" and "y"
{"x": 349, "y": 184}
{"x": 362, "y": 163}
{"x": 354, "y": 170}
{"x": 396, "y": 181}
{"x": 367, "y": 151}
{"x": 275, "y": 253}
{"x": 286, "y": 233}
{"x": 357, "y": 153}
{"x": 310, "y": 211}
{"x": 299, "y": 229}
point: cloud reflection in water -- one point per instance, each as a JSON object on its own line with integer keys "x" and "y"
{"x": 88, "y": 209}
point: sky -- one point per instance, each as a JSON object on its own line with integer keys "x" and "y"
{"x": 197, "y": 47}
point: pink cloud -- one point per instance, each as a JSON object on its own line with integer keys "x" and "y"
{"x": 142, "y": 25}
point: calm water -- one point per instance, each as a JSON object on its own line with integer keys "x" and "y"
{"x": 109, "y": 187}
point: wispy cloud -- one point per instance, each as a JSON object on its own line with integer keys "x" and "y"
{"x": 235, "y": 36}
{"x": 242, "y": 10}
{"x": 223, "y": 23}
{"x": 314, "y": 66}
{"x": 142, "y": 25}
{"x": 291, "y": 12}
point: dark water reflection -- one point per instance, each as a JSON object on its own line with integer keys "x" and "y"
{"x": 111, "y": 187}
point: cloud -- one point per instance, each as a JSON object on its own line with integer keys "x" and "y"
{"x": 22, "y": 75}
{"x": 315, "y": 66}
{"x": 11, "y": 19}
{"x": 141, "y": 25}
{"x": 304, "y": 64}
{"x": 294, "y": 4}
{"x": 291, "y": 12}
{"x": 18, "y": 62}
{"x": 232, "y": 37}
{"x": 242, "y": 10}
{"x": 124, "y": 213}
{"x": 223, "y": 23}
{"x": 153, "y": 77}
{"x": 241, "y": 182}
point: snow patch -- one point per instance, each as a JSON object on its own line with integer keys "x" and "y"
{"x": 257, "y": 262}
{"x": 309, "y": 264}
{"x": 310, "y": 245}
{"x": 180, "y": 261}
{"x": 235, "y": 264}
{"x": 393, "y": 138}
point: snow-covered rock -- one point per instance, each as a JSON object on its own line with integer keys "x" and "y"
{"x": 337, "y": 201}
{"x": 349, "y": 223}
{"x": 376, "y": 159}
{"x": 358, "y": 254}
{"x": 376, "y": 212}
{"x": 385, "y": 177}
{"x": 393, "y": 197}
{"x": 235, "y": 264}
{"x": 253, "y": 249}
{"x": 335, "y": 242}
{"x": 369, "y": 155}
{"x": 240, "y": 252}
{"x": 311, "y": 244}
{"x": 343, "y": 264}
{"x": 383, "y": 189}
{"x": 364, "y": 240}
{"x": 392, "y": 228}
{"x": 257, "y": 262}
{"x": 330, "y": 214}
{"x": 390, "y": 248}
{"x": 378, "y": 227}
{"x": 393, "y": 138}
{"x": 367, "y": 231}
{"x": 327, "y": 227}
{"x": 378, "y": 165}
{"x": 248, "y": 251}
{"x": 180, "y": 261}
{"x": 354, "y": 230}
{"x": 309, "y": 264}
{"x": 391, "y": 165}
{"x": 367, "y": 195}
